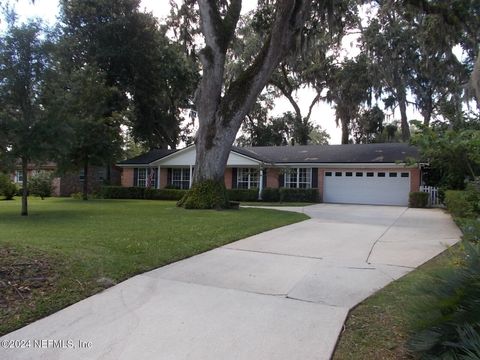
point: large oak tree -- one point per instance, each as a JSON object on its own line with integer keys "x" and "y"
{"x": 221, "y": 110}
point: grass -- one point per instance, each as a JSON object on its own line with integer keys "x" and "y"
{"x": 77, "y": 243}
{"x": 379, "y": 327}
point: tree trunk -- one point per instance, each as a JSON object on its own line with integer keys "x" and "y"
{"x": 85, "y": 181}
{"x": 475, "y": 79}
{"x": 402, "y": 104}
{"x": 345, "y": 130}
{"x": 25, "y": 187}
{"x": 222, "y": 113}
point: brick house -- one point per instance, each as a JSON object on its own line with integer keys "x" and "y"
{"x": 357, "y": 174}
{"x": 70, "y": 182}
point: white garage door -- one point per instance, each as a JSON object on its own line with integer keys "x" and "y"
{"x": 367, "y": 187}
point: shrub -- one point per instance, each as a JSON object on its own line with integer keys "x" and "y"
{"x": 458, "y": 203}
{"x": 120, "y": 192}
{"x": 164, "y": 194}
{"x": 300, "y": 195}
{"x": 271, "y": 194}
{"x": 7, "y": 188}
{"x": 448, "y": 315}
{"x": 207, "y": 194}
{"x": 418, "y": 199}
{"x": 243, "y": 194}
{"x": 41, "y": 185}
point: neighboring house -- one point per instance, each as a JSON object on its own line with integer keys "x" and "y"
{"x": 356, "y": 174}
{"x": 70, "y": 182}
{"x": 33, "y": 169}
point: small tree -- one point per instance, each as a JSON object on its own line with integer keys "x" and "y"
{"x": 41, "y": 184}
{"x": 29, "y": 135}
{"x": 7, "y": 188}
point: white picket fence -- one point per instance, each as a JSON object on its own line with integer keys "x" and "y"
{"x": 433, "y": 199}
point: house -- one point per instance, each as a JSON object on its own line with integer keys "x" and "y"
{"x": 354, "y": 174}
{"x": 33, "y": 169}
{"x": 70, "y": 182}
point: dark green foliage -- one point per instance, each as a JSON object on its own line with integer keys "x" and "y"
{"x": 457, "y": 202}
{"x": 271, "y": 194}
{"x": 41, "y": 185}
{"x": 207, "y": 194}
{"x": 298, "y": 195}
{"x": 155, "y": 80}
{"x": 448, "y": 310}
{"x": 453, "y": 155}
{"x": 164, "y": 194}
{"x": 243, "y": 194}
{"x": 290, "y": 195}
{"x": 7, "y": 188}
{"x": 119, "y": 192}
{"x": 418, "y": 199}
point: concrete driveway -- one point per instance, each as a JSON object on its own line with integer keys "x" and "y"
{"x": 282, "y": 294}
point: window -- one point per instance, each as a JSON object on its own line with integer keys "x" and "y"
{"x": 381, "y": 174}
{"x": 298, "y": 178}
{"x": 348, "y": 173}
{"x": 247, "y": 178}
{"x": 328, "y": 173}
{"x": 359, "y": 174}
{"x": 392, "y": 174}
{"x": 81, "y": 175}
{"x": 181, "y": 178}
{"x": 142, "y": 177}
{"x": 338, "y": 173}
{"x": 19, "y": 176}
{"x": 405, "y": 175}
{"x": 369, "y": 174}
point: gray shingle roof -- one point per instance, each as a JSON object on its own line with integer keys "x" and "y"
{"x": 351, "y": 153}
{"x": 148, "y": 157}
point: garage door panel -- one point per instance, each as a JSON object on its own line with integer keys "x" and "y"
{"x": 367, "y": 190}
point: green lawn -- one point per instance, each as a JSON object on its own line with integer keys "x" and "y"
{"x": 261, "y": 203}
{"x": 379, "y": 327}
{"x": 55, "y": 256}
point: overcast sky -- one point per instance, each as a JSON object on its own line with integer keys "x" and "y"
{"x": 322, "y": 114}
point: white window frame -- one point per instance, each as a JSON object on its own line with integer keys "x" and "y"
{"x": 292, "y": 178}
{"x": 142, "y": 177}
{"x": 252, "y": 176}
{"x": 18, "y": 176}
{"x": 181, "y": 178}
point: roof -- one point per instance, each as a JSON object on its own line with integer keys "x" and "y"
{"x": 148, "y": 157}
{"x": 350, "y": 153}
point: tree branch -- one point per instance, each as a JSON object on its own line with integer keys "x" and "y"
{"x": 242, "y": 93}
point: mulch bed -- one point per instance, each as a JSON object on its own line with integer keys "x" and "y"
{"x": 23, "y": 278}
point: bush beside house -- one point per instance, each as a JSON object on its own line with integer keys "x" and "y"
{"x": 268, "y": 194}
{"x": 447, "y": 318}
{"x": 7, "y": 188}
{"x": 418, "y": 199}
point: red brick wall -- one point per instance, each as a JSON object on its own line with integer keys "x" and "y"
{"x": 127, "y": 177}
{"x": 272, "y": 177}
{"x": 163, "y": 177}
{"x": 414, "y": 179}
{"x": 321, "y": 174}
{"x": 228, "y": 178}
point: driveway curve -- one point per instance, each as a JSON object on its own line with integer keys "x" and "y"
{"x": 282, "y": 294}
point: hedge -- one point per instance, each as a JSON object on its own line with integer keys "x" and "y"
{"x": 242, "y": 194}
{"x": 418, "y": 199}
{"x": 271, "y": 194}
{"x": 300, "y": 195}
{"x": 120, "y": 192}
{"x": 459, "y": 204}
